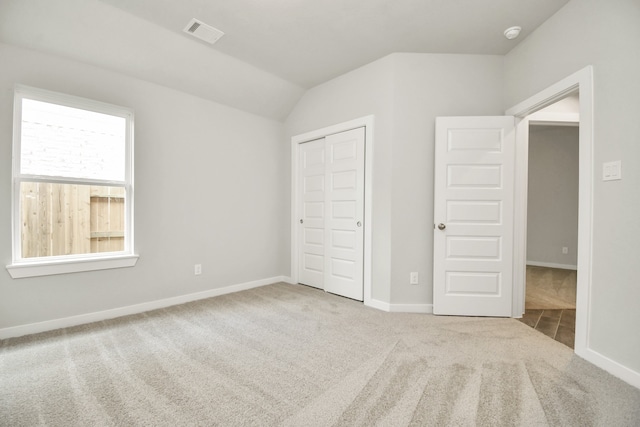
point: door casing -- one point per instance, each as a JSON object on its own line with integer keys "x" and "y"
{"x": 581, "y": 81}
{"x": 367, "y": 122}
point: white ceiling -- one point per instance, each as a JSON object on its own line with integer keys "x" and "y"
{"x": 308, "y": 42}
{"x": 272, "y": 50}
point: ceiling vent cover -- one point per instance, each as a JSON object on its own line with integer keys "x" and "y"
{"x": 203, "y": 31}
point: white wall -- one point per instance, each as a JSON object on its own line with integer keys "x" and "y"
{"x": 607, "y": 36}
{"x": 210, "y": 188}
{"x": 405, "y": 92}
{"x": 552, "y": 217}
{"x": 427, "y": 86}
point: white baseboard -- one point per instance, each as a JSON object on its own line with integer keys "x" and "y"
{"x": 552, "y": 265}
{"x": 412, "y": 308}
{"x": 614, "y": 368}
{"x": 380, "y": 305}
{"x": 49, "y": 325}
{"x": 400, "y": 308}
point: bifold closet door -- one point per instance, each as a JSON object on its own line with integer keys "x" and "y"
{"x": 331, "y": 194}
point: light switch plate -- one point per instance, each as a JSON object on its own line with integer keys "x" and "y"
{"x": 413, "y": 278}
{"x": 612, "y": 170}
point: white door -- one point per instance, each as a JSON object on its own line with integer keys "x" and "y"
{"x": 344, "y": 236}
{"x": 312, "y": 211}
{"x": 331, "y": 197}
{"x": 473, "y": 215}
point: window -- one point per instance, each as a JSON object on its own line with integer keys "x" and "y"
{"x": 72, "y": 184}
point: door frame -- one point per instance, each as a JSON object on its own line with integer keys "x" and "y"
{"x": 366, "y": 122}
{"x": 581, "y": 81}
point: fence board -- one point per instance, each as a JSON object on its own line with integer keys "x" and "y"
{"x": 84, "y": 217}
{"x": 59, "y": 219}
{"x": 44, "y": 219}
{"x": 59, "y": 214}
{"x": 29, "y": 217}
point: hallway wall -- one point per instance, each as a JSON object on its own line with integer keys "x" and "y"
{"x": 552, "y": 218}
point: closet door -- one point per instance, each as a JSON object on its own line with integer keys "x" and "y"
{"x": 344, "y": 213}
{"x": 311, "y": 197}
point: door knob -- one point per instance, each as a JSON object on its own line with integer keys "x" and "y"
{"x": 301, "y": 221}
{"x": 441, "y": 226}
{"x": 359, "y": 224}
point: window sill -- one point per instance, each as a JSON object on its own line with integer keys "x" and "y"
{"x": 48, "y": 268}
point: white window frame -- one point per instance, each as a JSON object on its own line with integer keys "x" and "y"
{"x": 42, "y": 266}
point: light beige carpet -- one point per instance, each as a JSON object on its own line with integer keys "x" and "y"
{"x": 550, "y": 288}
{"x": 295, "y": 356}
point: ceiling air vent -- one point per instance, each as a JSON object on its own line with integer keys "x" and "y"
{"x": 203, "y": 31}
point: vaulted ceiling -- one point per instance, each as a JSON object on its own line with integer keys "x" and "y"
{"x": 272, "y": 49}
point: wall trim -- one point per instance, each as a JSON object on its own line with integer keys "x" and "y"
{"x": 554, "y": 119}
{"x": 581, "y": 81}
{"x": 377, "y": 304}
{"x": 552, "y": 265}
{"x": 411, "y": 308}
{"x": 288, "y": 279}
{"x": 611, "y": 366}
{"x": 400, "y": 308}
{"x": 49, "y": 267}
{"x": 81, "y": 319}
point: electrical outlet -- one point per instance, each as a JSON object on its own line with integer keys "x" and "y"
{"x": 565, "y": 250}
{"x": 413, "y": 278}
{"x": 197, "y": 270}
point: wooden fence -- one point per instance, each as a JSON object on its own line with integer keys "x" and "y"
{"x": 65, "y": 219}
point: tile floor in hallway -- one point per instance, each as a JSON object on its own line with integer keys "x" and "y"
{"x": 557, "y": 324}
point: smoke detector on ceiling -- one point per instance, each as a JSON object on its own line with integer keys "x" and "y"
{"x": 512, "y": 32}
{"x": 203, "y": 31}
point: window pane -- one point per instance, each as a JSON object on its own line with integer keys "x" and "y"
{"x": 65, "y": 219}
{"x": 73, "y": 143}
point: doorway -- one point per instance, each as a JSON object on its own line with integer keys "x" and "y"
{"x": 552, "y": 220}
{"x": 580, "y": 82}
